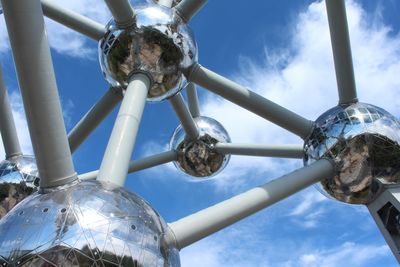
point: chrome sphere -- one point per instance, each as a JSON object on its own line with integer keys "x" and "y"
{"x": 19, "y": 178}
{"x": 159, "y": 44}
{"x": 198, "y": 158}
{"x": 85, "y": 224}
{"x": 364, "y": 142}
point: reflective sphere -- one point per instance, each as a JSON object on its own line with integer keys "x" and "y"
{"x": 158, "y": 44}
{"x": 18, "y": 179}
{"x": 364, "y": 142}
{"x": 199, "y": 158}
{"x": 85, "y": 224}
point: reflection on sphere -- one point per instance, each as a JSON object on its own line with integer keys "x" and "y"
{"x": 158, "y": 44}
{"x": 198, "y": 158}
{"x": 85, "y": 224}
{"x": 364, "y": 142}
{"x": 19, "y": 178}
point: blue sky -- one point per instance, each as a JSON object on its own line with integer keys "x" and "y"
{"x": 281, "y": 50}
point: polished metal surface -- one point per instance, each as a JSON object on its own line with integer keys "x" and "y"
{"x": 158, "y": 44}
{"x": 199, "y": 158}
{"x": 87, "y": 223}
{"x": 18, "y": 179}
{"x": 364, "y": 142}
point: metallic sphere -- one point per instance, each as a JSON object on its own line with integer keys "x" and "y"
{"x": 158, "y": 44}
{"x": 199, "y": 158}
{"x": 85, "y": 224}
{"x": 18, "y": 179}
{"x": 364, "y": 142}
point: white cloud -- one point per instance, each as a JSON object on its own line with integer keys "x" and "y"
{"x": 62, "y": 39}
{"x": 309, "y": 198}
{"x": 21, "y": 126}
{"x": 68, "y": 42}
{"x": 244, "y": 246}
{"x": 238, "y": 246}
{"x": 67, "y": 110}
{"x": 348, "y": 254}
{"x": 301, "y": 77}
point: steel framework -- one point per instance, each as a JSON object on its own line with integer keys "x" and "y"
{"x": 53, "y": 147}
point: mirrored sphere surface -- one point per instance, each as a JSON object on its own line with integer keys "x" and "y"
{"x": 85, "y": 224}
{"x": 364, "y": 142}
{"x": 198, "y": 158}
{"x": 19, "y": 178}
{"x": 158, "y": 44}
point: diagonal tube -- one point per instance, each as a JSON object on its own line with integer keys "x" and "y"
{"x": 194, "y": 227}
{"x": 188, "y": 8}
{"x": 73, "y": 20}
{"x": 89, "y": 122}
{"x": 122, "y": 12}
{"x": 140, "y": 164}
{"x": 193, "y": 100}
{"x": 341, "y": 51}
{"x": 7, "y": 125}
{"x": 39, "y": 91}
{"x": 183, "y": 113}
{"x": 278, "y": 151}
{"x": 115, "y": 164}
{"x": 249, "y": 100}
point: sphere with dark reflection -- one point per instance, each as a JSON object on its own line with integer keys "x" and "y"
{"x": 199, "y": 158}
{"x": 158, "y": 43}
{"x": 19, "y": 178}
{"x": 88, "y": 223}
{"x": 364, "y": 142}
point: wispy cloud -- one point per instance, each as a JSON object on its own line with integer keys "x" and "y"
{"x": 62, "y": 39}
{"x": 348, "y": 254}
{"x": 308, "y": 199}
{"x": 20, "y": 124}
{"x": 254, "y": 248}
{"x": 68, "y": 107}
{"x": 289, "y": 77}
{"x": 301, "y": 77}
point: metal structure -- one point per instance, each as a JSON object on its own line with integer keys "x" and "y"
{"x": 149, "y": 53}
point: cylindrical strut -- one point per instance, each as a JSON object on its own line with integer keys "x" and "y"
{"x": 341, "y": 51}
{"x": 183, "y": 113}
{"x": 193, "y": 100}
{"x": 7, "y": 125}
{"x": 249, "y": 100}
{"x": 122, "y": 12}
{"x": 73, "y": 20}
{"x": 194, "y": 227}
{"x": 38, "y": 86}
{"x": 93, "y": 118}
{"x": 115, "y": 164}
